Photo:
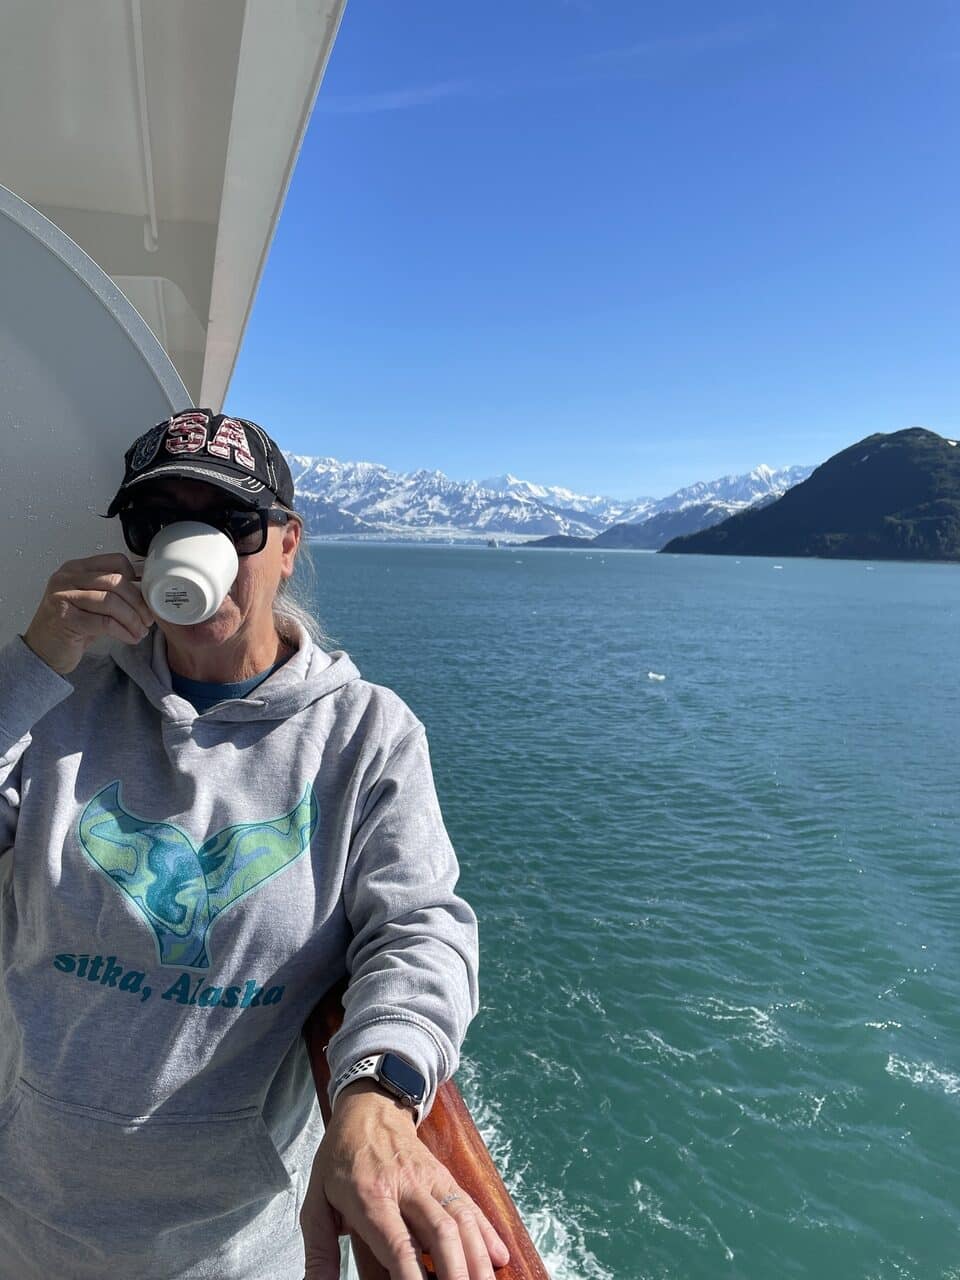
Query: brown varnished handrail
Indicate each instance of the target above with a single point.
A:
(450, 1134)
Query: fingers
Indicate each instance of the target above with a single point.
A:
(398, 1198)
(457, 1241)
(107, 562)
(493, 1242)
(84, 599)
(116, 584)
(452, 1235)
(95, 612)
(108, 573)
(389, 1239)
(321, 1243)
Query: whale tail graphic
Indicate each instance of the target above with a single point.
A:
(180, 890)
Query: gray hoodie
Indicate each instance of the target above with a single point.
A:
(177, 891)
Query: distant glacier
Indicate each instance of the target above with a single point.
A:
(368, 500)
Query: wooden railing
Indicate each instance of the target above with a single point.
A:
(450, 1134)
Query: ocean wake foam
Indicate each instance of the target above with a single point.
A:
(650, 1205)
(553, 1223)
(923, 1073)
(749, 1022)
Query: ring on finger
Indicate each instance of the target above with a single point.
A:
(449, 1199)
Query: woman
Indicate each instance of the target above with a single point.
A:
(203, 830)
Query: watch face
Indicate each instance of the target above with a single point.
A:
(403, 1077)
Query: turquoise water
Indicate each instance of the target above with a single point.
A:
(720, 1025)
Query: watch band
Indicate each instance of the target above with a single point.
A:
(370, 1068)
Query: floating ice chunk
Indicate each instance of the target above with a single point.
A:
(654, 675)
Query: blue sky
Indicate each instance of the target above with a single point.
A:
(615, 244)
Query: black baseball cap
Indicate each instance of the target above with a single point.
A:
(196, 444)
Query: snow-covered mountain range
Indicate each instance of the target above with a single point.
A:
(366, 499)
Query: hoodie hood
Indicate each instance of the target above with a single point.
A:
(311, 674)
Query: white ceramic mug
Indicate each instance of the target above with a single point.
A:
(188, 571)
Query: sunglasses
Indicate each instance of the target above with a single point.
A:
(245, 527)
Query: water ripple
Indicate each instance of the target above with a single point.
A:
(720, 1028)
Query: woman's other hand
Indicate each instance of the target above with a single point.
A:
(372, 1175)
(85, 599)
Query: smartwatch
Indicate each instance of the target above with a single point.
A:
(392, 1073)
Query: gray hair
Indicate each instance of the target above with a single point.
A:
(290, 604)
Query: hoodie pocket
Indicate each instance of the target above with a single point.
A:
(126, 1184)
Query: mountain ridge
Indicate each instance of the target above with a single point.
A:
(368, 500)
(892, 496)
